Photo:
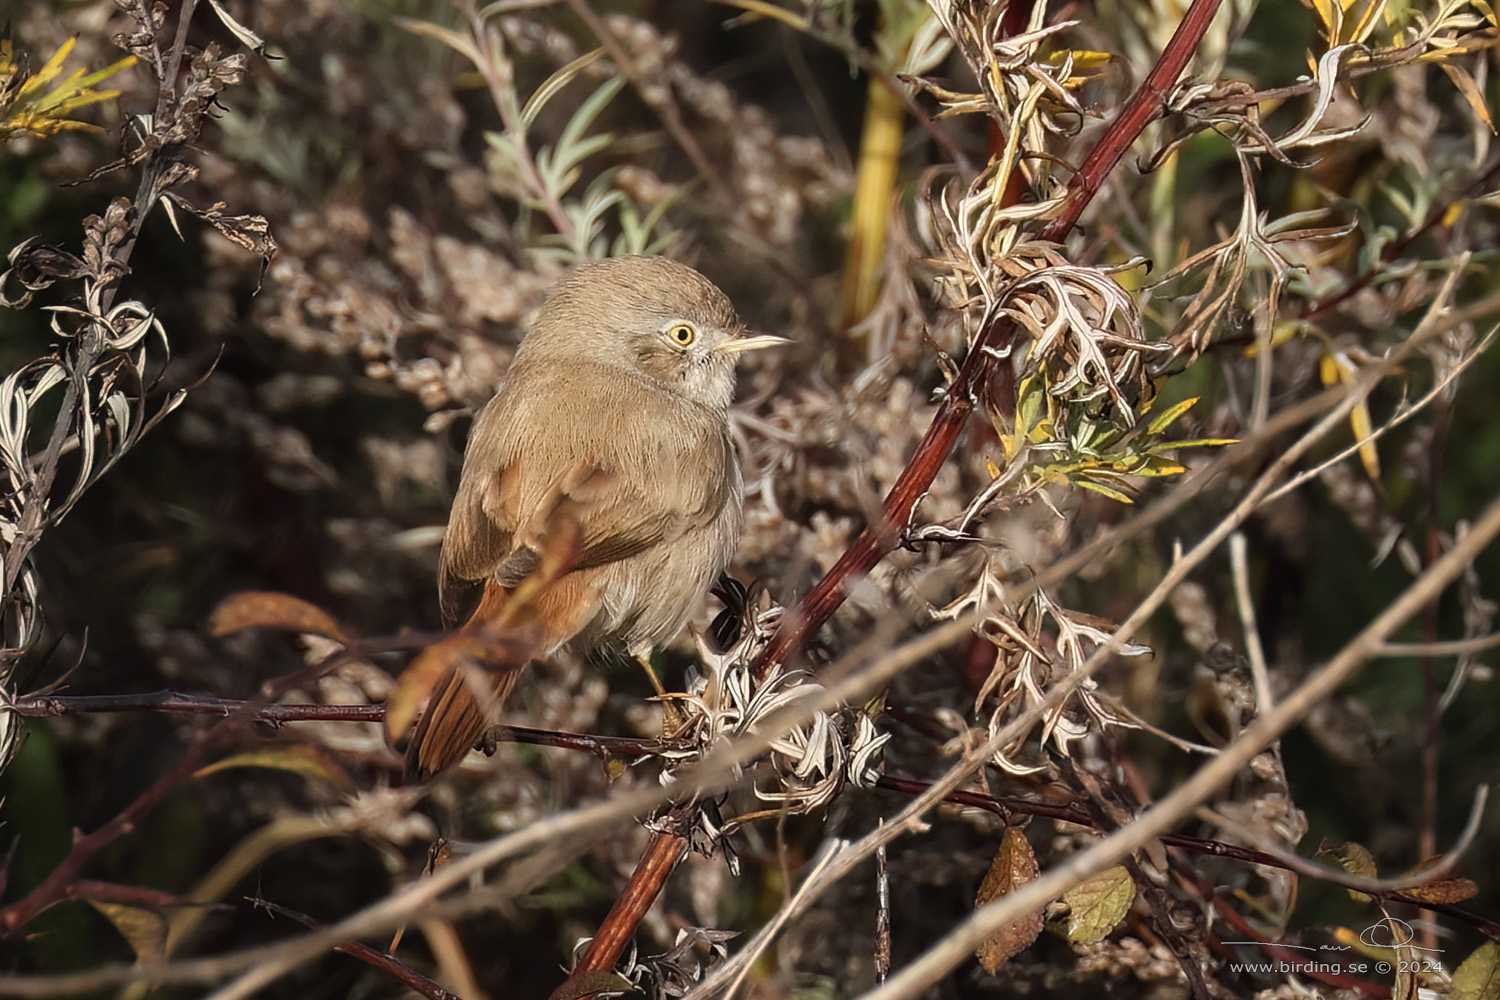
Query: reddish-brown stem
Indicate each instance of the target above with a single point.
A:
(56, 885)
(646, 883)
(384, 961)
(1144, 107)
(880, 537)
(52, 706)
(49, 706)
(1004, 807)
(135, 895)
(937, 444)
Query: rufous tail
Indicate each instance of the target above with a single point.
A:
(456, 717)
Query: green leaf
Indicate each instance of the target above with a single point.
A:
(1478, 978)
(305, 760)
(1167, 417)
(1194, 443)
(1102, 490)
(1097, 906)
(145, 930)
(583, 119)
(555, 83)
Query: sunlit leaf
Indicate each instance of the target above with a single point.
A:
(1103, 490)
(1014, 866)
(1096, 906)
(144, 930)
(1166, 418)
(1464, 81)
(268, 609)
(480, 649)
(42, 101)
(1478, 977)
(305, 760)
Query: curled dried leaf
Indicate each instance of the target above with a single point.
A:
(303, 759)
(268, 609)
(480, 648)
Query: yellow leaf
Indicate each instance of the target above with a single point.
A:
(1366, 23)
(1369, 456)
(1331, 17)
(1355, 859)
(1198, 443)
(1280, 334)
(1328, 369)
(1108, 491)
(145, 930)
(1097, 906)
(1157, 467)
(1478, 978)
(1014, 866)
(307, 761)
(1165, 419)
(875, 180)
(1470, 89)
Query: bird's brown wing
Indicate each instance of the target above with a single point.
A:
(626, 496)
(628, 480)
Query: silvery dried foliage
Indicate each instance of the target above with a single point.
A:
(68, 417)
(424, 296)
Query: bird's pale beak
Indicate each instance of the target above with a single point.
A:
(753, 342)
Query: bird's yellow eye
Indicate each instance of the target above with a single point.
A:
(682, 334)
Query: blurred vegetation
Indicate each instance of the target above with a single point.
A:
(427, 170)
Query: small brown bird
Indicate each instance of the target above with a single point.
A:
(613, 419)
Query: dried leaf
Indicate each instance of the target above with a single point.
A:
(481, 649)
(1014, 866)
(145, 930)
(1478, 978)
(1442, 889)
(268, 609)
(1097, 906)
(592, 984)
(1464, 81)
(306, 760)
(244, 34)
(252, 232)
